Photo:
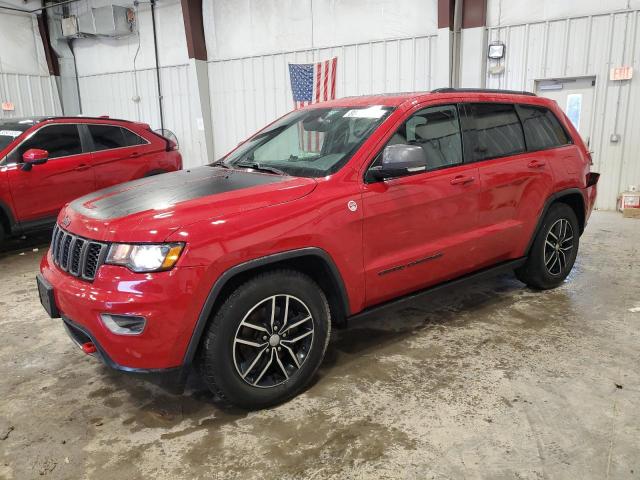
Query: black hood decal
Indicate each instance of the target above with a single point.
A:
(164, 190)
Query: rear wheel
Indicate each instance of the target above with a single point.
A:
(554, 249)
(267, 340)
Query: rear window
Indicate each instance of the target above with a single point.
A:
(542, 129)
(106, 137)
(491, 130)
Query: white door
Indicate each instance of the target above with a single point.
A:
(575, 96)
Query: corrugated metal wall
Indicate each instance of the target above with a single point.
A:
(247, 93)
(113, 93)
(30, 94)
(585, 46)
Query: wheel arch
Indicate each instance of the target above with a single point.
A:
(313, 261)
(6, 219)
(576, 201)
(572, 197)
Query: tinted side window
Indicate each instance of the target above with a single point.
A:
(437, 131)
(491, 130)
(541, 128)
(131, 138)
(106, 137)
(58, 140)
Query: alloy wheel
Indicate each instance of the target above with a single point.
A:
(273, 341)
(558, 246)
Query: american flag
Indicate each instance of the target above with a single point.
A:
(312, 83)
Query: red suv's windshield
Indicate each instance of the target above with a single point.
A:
(309, 143)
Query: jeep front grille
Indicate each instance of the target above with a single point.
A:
(75, 255)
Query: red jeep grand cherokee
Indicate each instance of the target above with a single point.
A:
(241, 266)
(47, 162)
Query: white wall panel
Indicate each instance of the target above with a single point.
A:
(24, 76)
(585, 46)
(239, 28)
(512, 12)
(247, 93)
(96, 55)
(112, 94)
(32, 95)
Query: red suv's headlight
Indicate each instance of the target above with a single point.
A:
(145, 257)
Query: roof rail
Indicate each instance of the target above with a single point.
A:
(481, 90)
(82, 117)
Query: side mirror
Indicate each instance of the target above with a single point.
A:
(398, 160)
(34, 156)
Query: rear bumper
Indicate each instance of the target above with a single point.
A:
(169, 301)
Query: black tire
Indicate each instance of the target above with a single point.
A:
(153, 173)
(2, 233)
(554, 249)
(224, 357)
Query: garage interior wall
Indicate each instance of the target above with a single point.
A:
(24, 75)
(381, 45)
(117, 76)
(555, 40)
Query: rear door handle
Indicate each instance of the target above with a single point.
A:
(82, 167)
(462, 180)
(536, 164)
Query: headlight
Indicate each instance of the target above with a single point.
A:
(145, 257)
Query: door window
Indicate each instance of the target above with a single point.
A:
(106, 137)
(491, 130)
(58, 140)
(437, 131)
(541, 128)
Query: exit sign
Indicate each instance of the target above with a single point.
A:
(621, 73)
(8, 107)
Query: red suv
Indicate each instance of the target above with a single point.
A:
(47, 162)
(241, 267)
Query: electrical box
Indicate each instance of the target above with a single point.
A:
(109, 21)
(70, 26)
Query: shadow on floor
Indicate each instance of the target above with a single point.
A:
(18, 244)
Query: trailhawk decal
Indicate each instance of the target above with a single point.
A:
(163, 191)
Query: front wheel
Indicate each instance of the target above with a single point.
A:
(554, 249)
(267, 340)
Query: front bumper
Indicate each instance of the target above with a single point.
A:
(170, 301)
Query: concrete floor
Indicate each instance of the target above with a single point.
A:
(492, 381)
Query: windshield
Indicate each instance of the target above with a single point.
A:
(9, 131)
(309, 143)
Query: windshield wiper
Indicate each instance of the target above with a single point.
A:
(263, 168)
(220, 164)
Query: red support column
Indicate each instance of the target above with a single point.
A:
(50, 55)
(474, 13)
(194, 29)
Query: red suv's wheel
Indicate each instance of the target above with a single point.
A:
(554, 249)
(267, 340)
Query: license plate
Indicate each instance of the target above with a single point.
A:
(46, 297)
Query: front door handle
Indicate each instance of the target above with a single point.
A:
(462, 180)
(536, 164)
(82, 167)
(135, 155)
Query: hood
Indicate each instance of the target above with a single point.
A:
(150, 209)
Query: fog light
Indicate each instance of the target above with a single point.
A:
(123, 324)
